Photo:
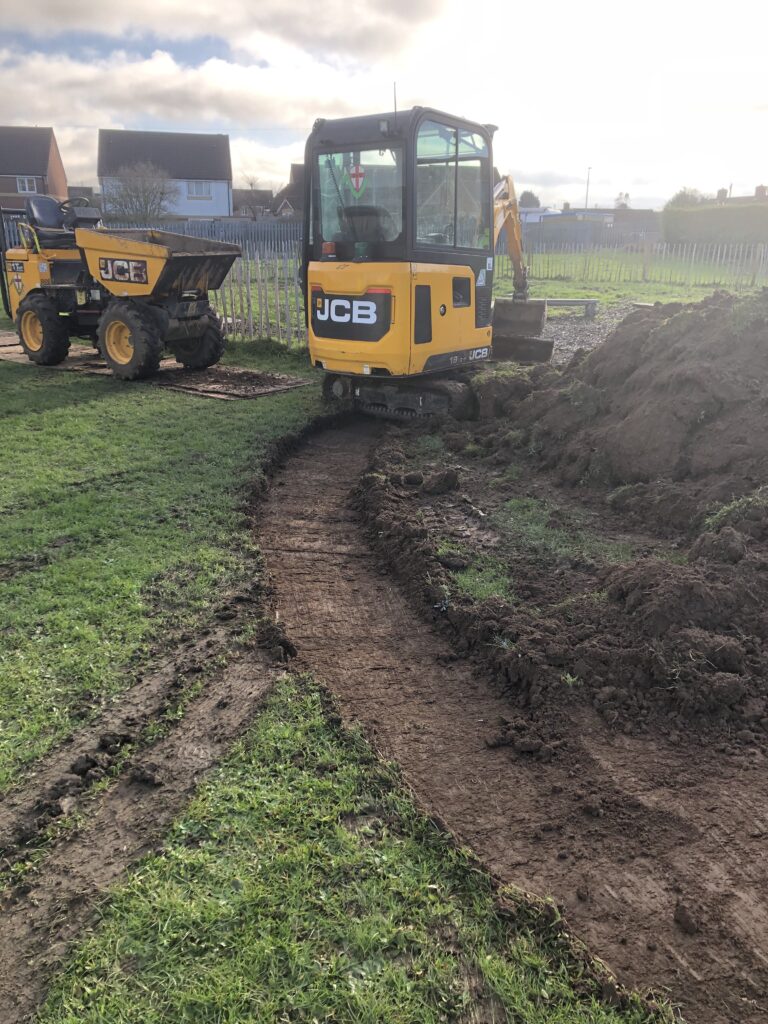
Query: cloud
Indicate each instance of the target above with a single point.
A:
(337, 27)
(124, 90)
(127, 89)
(548, 179)
(269, 164)
(576, 101)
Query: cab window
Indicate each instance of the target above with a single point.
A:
(453, 202)
(360, 200)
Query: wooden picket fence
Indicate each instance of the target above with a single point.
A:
(735, 267)
(261, 296)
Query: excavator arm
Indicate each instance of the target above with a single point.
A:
(517, 321)
(506, 215)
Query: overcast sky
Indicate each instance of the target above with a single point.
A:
(652, 96)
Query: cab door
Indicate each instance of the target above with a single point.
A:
(452, 258)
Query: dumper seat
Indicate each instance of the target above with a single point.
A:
(45, 216)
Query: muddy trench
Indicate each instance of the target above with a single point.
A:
(653, 850)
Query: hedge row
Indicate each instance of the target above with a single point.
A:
(727, 224)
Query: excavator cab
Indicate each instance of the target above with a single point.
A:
(398, 250)
(399, 235)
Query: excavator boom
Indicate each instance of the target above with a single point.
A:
(517, 321)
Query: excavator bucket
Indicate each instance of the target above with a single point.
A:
(517, 324)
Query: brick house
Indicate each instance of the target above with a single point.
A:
(30, 164)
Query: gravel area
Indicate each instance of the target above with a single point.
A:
(572, 331)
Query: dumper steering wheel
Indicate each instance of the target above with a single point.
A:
(72, 204)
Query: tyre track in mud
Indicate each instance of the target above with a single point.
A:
(666, 883)
(27, 810)
(39, 922)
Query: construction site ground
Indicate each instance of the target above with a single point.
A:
(561, 669)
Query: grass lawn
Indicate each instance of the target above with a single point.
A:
(119, 520)
(302, 885)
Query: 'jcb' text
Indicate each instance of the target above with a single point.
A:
(134, 271)
(345, 311)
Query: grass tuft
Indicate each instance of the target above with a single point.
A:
(554, 533)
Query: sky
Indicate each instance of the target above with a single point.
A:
(651, 97)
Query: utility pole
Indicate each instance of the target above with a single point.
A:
(586, 197)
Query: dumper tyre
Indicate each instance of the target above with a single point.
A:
(130, 341)
(42, 332)
(204, 349)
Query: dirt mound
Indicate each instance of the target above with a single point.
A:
(672, 404)
(651, 644)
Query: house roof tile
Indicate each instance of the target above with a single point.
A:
(24, 150)
(191, 155)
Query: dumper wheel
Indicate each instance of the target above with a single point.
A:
(203, 349)
(42, 332)
(129, 340)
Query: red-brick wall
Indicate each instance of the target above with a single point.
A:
(10, 198)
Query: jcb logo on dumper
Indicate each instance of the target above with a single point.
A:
(345, 311)
(132, 271)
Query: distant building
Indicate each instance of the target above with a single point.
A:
(251, 202)
(289, 201)
(85, 192)
(535, 214)
(620, 218)
(30, 164)
(198, 164)
(760, 196)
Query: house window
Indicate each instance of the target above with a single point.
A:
(198, 190)
(26, 185)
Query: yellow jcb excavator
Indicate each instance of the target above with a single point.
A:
(400, 232)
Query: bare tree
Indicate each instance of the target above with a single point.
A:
(687, 197)
(140, 192)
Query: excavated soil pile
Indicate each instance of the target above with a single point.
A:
(650, 644)
(660, 435)
(671, 407)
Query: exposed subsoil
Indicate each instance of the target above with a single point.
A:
(222, 382)
(654, 844)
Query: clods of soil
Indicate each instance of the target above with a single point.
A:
(643, 835)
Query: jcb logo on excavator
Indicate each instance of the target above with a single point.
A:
(364, 317)
(344, 311)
